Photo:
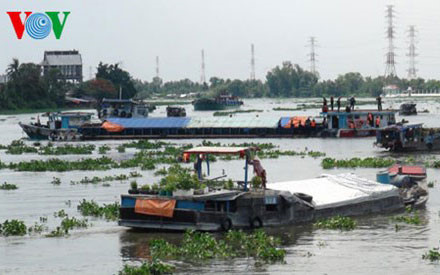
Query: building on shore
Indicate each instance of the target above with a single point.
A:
(69, 64)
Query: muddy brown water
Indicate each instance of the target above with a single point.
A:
(374, 247)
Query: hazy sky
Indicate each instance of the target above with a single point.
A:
(350, 34)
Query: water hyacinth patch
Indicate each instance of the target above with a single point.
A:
(203, 246)
(8, 186)
(369, 162)
(153, 267)
(91, 208)
(13, 228)
(338, 222)
(432, 255)
(104, 149)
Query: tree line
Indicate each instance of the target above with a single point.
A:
(28, 88)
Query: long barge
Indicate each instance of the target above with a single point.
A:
(332, 124)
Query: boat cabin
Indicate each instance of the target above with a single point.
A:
(123, 108)
(68, 120)
(359, 119)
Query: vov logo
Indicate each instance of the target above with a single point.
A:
(38, 25)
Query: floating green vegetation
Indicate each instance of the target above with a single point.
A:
(13, 228)
(37, 228)
(121, 149)
(67, 150)
(96, 180)
(145, 144)
(18, 147)
(430, 184)
(60, 214)
(56, 181)
(71, 223)
(153, 267)
(58, 165)
(286, 109)
(369, 162)
(338, 222)
(8, 186)
(104, 149)
(91, 208)
(179, 178)
(432, 255)
(236, 112)
(203, 246)
(412, 219)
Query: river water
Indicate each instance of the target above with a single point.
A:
(374, 247)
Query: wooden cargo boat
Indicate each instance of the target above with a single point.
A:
(408, 137)
(60, 126)
(276, 204)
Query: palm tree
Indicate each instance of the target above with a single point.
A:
(12, 70)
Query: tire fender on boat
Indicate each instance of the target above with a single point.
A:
(304, 197)
(256, 222)
(226, 224)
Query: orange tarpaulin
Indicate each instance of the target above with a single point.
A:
(296, 121)
(112, 127)
(163, 208)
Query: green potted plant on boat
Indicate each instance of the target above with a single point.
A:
(145, 189)
(133, 188)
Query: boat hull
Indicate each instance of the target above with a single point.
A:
(352, 133)
(214, 106)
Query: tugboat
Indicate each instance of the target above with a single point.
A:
(60, 126)
(408, 137)
(258, 205)
(220, 102)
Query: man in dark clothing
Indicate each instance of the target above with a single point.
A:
(324, 101)
(331, 102)
(352, 102)
(338, 103)
(347, 109)
(379, 103)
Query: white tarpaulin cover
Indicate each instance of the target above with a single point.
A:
(338, 190)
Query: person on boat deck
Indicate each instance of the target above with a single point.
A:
(370, 120)
(379, 103)
(332, 102)
(307, 122)
(347, 109)
(351, 124)
(377, 121)
(325, 109)
(352, 102)
(338, 103)
(324, 101)
(313, 123)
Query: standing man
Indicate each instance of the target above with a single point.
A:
(352, 102)
(338, 103)
(379, 103)
(331, 102)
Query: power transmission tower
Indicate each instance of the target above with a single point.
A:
(90, 72)
(390, 69)
(252, 62)
(312, 55)
(412, 71)
(157, 66)
(202, 75)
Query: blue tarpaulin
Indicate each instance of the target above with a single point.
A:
(284, 121)
(151, 122)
